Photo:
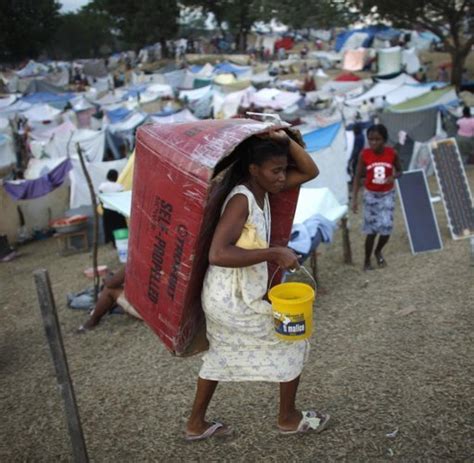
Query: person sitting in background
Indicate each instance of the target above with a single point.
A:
(111, 220)
(110, 296)
(309, 84)
(465, 135)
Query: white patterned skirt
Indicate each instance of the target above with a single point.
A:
(378, 212)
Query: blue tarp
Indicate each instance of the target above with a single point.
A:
(133, 91)
(371, 30)
(195, 68)
(47, 97)
(119, 114)
(321, 138)
(388, 34)
(229, 68)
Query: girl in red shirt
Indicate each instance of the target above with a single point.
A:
(381, 166)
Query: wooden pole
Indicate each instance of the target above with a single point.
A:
(95, 239)
(55, 341)
(346, 242)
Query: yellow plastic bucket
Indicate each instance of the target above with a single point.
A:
(292, 305)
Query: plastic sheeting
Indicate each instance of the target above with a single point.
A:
(64, 143)
(80, 195)
(410, 61)
(274, 99)
(354, 60)
(41, 113)
(196, 94)
(389, 60)
(321, 138)
(181, 116)
(7, 151)
(226, 106)
(128, 124)
(7, 101)
(322, 201)
(119, 202)
(433, 99)
(332, 163)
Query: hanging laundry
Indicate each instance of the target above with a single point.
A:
(31, 189)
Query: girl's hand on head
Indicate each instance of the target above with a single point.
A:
(285, 258)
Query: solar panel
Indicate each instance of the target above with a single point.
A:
(454, 187)
(420, 219)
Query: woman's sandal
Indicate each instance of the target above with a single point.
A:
(216, 429)
(380, 260)
(312, 421)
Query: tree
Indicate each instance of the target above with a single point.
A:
(444, 18)
(141, 22)
(82, 35)
(26, 27)
(237, 15)
(299, 14)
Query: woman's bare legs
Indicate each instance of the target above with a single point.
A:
(197, 423)
(289, 418)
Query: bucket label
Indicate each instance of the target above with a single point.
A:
(290, 325)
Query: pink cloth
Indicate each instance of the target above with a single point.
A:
(466, 127)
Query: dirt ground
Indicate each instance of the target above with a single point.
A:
(393, 350)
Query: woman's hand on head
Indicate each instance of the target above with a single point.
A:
(285, 258)
(278, 135)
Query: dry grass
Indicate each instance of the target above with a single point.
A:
(393, 349)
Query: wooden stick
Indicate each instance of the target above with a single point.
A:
(346, 242)
(55, 341)
(95, 239)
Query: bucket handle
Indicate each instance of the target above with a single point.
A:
(293, 270)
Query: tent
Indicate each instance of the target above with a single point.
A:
(433, 99)
(274, 98)
(327, 147)
(354, 60)
(389, 60)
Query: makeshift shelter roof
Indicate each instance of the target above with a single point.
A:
(321, 138)
(433, 99)
(95, 68)
(42, 112)
(181, 116)
(130, 123)
(81, 103)
(274, 98)
(53, 99)
(389, 60)
(318, 201)
(32, 69)
(7, 101)
(41, 85)
(117, 115)
(196, 94)
(226, 67)
(370, 32)
(409, 91)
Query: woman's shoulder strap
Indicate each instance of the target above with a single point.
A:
(240, 189)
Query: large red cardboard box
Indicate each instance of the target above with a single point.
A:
(173, 169)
